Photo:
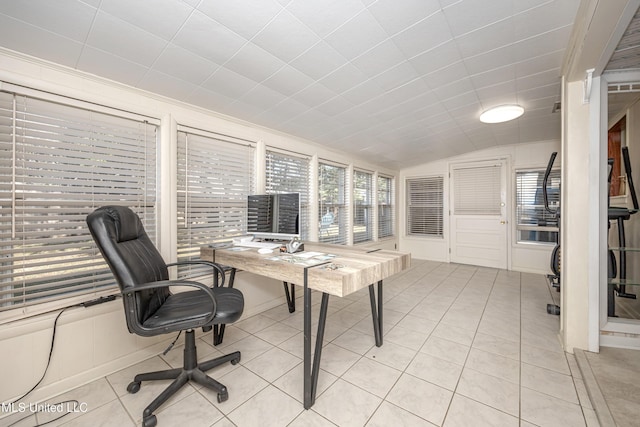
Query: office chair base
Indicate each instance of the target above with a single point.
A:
(191, 371)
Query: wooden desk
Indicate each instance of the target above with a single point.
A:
(357, 268)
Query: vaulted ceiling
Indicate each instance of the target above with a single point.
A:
(395, 82)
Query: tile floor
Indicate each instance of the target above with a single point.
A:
(464, 346)
(616, 376)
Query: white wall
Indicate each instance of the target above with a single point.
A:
(522, 257)
(93, 342)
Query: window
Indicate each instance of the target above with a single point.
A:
(425, 206)
(215, 176)
(386, 216)
(534, 224)
(363, 206)
(477, 190)
(333, 201)
(57, 164)
(287, 173)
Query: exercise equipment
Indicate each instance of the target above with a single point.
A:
(620, 214)
(554, 278)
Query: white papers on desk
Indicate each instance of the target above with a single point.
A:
(308, 254)
(307, 261)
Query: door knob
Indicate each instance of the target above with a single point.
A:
(503, 222)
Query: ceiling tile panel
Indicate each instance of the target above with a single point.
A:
(470, 15)
(288, 81)
(334, 106)
(285, 37)
(319, 61)
(26, 38)
(68, 18)
(397, 76)
(494, 77)
(382, 57)
(263, 97)
(284, 111)
(544, 78)
(485, 39)
(542, 44)
(343, 78)
(538, 64)
(208, 99)
(254, 62)
(110, 66)
(314, 95)
(363, 92)
(325, 16)
(229, 83)
(446, 75)
(185, 65)
(545, 17)
(162, 18)
(394, 16)
(357, 36)
(436, 58)
(491, 60)
(208, 38)
(424, 36)
(245, 17)
(115, 36)
(166, 85)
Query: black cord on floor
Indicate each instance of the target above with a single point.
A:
(53, 340)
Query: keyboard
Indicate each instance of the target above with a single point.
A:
(259, 245)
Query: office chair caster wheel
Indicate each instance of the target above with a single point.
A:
(149, 421)
(223, 397)
(133, 387)
(235, 361)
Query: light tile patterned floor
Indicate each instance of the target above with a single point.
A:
(464, 346)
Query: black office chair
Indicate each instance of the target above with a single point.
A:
(151, 309)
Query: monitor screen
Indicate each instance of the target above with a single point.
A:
(274, 215)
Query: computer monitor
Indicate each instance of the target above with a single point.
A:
(274, 216)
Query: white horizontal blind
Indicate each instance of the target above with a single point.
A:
(477, 190)
(333, 204)
(425, 206)
(287, 173)
(534, 222)
(386, 204)
(215, 176)
(363, 206)
(57, 164)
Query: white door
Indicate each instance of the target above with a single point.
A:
(478, 213)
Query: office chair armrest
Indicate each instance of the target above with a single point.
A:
(178, 325)
(215, 266)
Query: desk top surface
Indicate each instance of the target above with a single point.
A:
(337, 270)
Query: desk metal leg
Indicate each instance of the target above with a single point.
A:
(218, 330)
(376, 312)
(291, 296)
(311, 372)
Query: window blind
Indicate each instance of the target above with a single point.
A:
(477, 190)
(333, 203)
(386, 203)
(533, 222)
(214, 178)
(425, 206)
(57, 164)
(287, 173)
(363, 206)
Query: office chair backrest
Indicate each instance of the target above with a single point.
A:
(131, 256)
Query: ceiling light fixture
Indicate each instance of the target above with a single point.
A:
(500, 114)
